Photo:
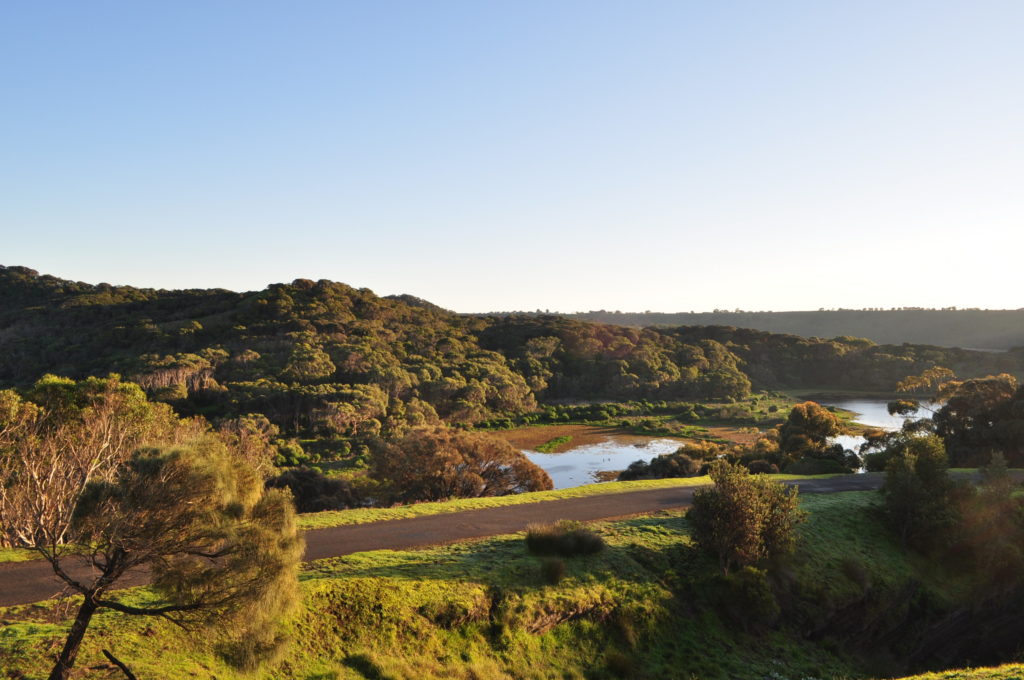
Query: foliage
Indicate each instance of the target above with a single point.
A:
(321, 359)
(744, 520)
(918, 494)
(564, 538)
(436, 464)
(677, 464)
(314, 492)
(64, 435)
(981, 417)
(221, 551)
(807, 430)
(74, 468)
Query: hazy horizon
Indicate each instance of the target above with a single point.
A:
(534, 310)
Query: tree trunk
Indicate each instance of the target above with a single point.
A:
(66, 660)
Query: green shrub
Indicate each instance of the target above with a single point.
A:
(816, 466)
(744, 519)
(919, 498)
(564, 538)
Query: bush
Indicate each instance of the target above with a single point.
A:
(919, 498)
(313, 492)
(552, 570)
(762, 467)
(816, 466)
(744, 519)
(564, 538)
(638, 469)
(676, 464)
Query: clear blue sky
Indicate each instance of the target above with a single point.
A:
(551, 154)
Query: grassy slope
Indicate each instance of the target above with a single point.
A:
(480, 610)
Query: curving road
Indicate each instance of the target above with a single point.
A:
(26, 582)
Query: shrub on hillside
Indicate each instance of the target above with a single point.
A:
(313, 491)
(919, 498)
(744, 519)
(564, 538)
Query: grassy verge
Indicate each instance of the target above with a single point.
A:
(335, 518)
(17, 555)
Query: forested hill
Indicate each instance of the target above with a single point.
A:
(324, 358)
(971, 328)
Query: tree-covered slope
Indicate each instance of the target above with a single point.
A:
(326, 359)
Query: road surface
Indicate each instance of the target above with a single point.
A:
(26, 582)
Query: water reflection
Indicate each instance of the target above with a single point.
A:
(579, 466)
(870, 412)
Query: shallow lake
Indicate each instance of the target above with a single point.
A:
(580, 465)
(871, 412)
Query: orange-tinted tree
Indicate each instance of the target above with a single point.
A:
(435, 464)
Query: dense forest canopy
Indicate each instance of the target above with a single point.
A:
(994, 329)
(328, 360)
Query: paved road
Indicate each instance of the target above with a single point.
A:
(25, 582)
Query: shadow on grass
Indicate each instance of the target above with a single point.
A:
(366, 667)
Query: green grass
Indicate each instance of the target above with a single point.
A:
(550, 446)
(477, 609)
(335, 518)
(645, 607)
(17, 555)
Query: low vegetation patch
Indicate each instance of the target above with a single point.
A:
(564, 538)
(550, 445)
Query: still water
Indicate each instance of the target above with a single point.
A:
(580, 465)
(871, 412)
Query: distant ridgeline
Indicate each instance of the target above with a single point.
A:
(326, 359)
(970, 328)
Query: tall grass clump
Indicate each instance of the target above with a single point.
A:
(564, 538)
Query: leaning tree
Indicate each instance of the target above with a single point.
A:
(81, 487)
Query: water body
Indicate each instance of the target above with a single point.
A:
(580, 465)
(871, 412)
